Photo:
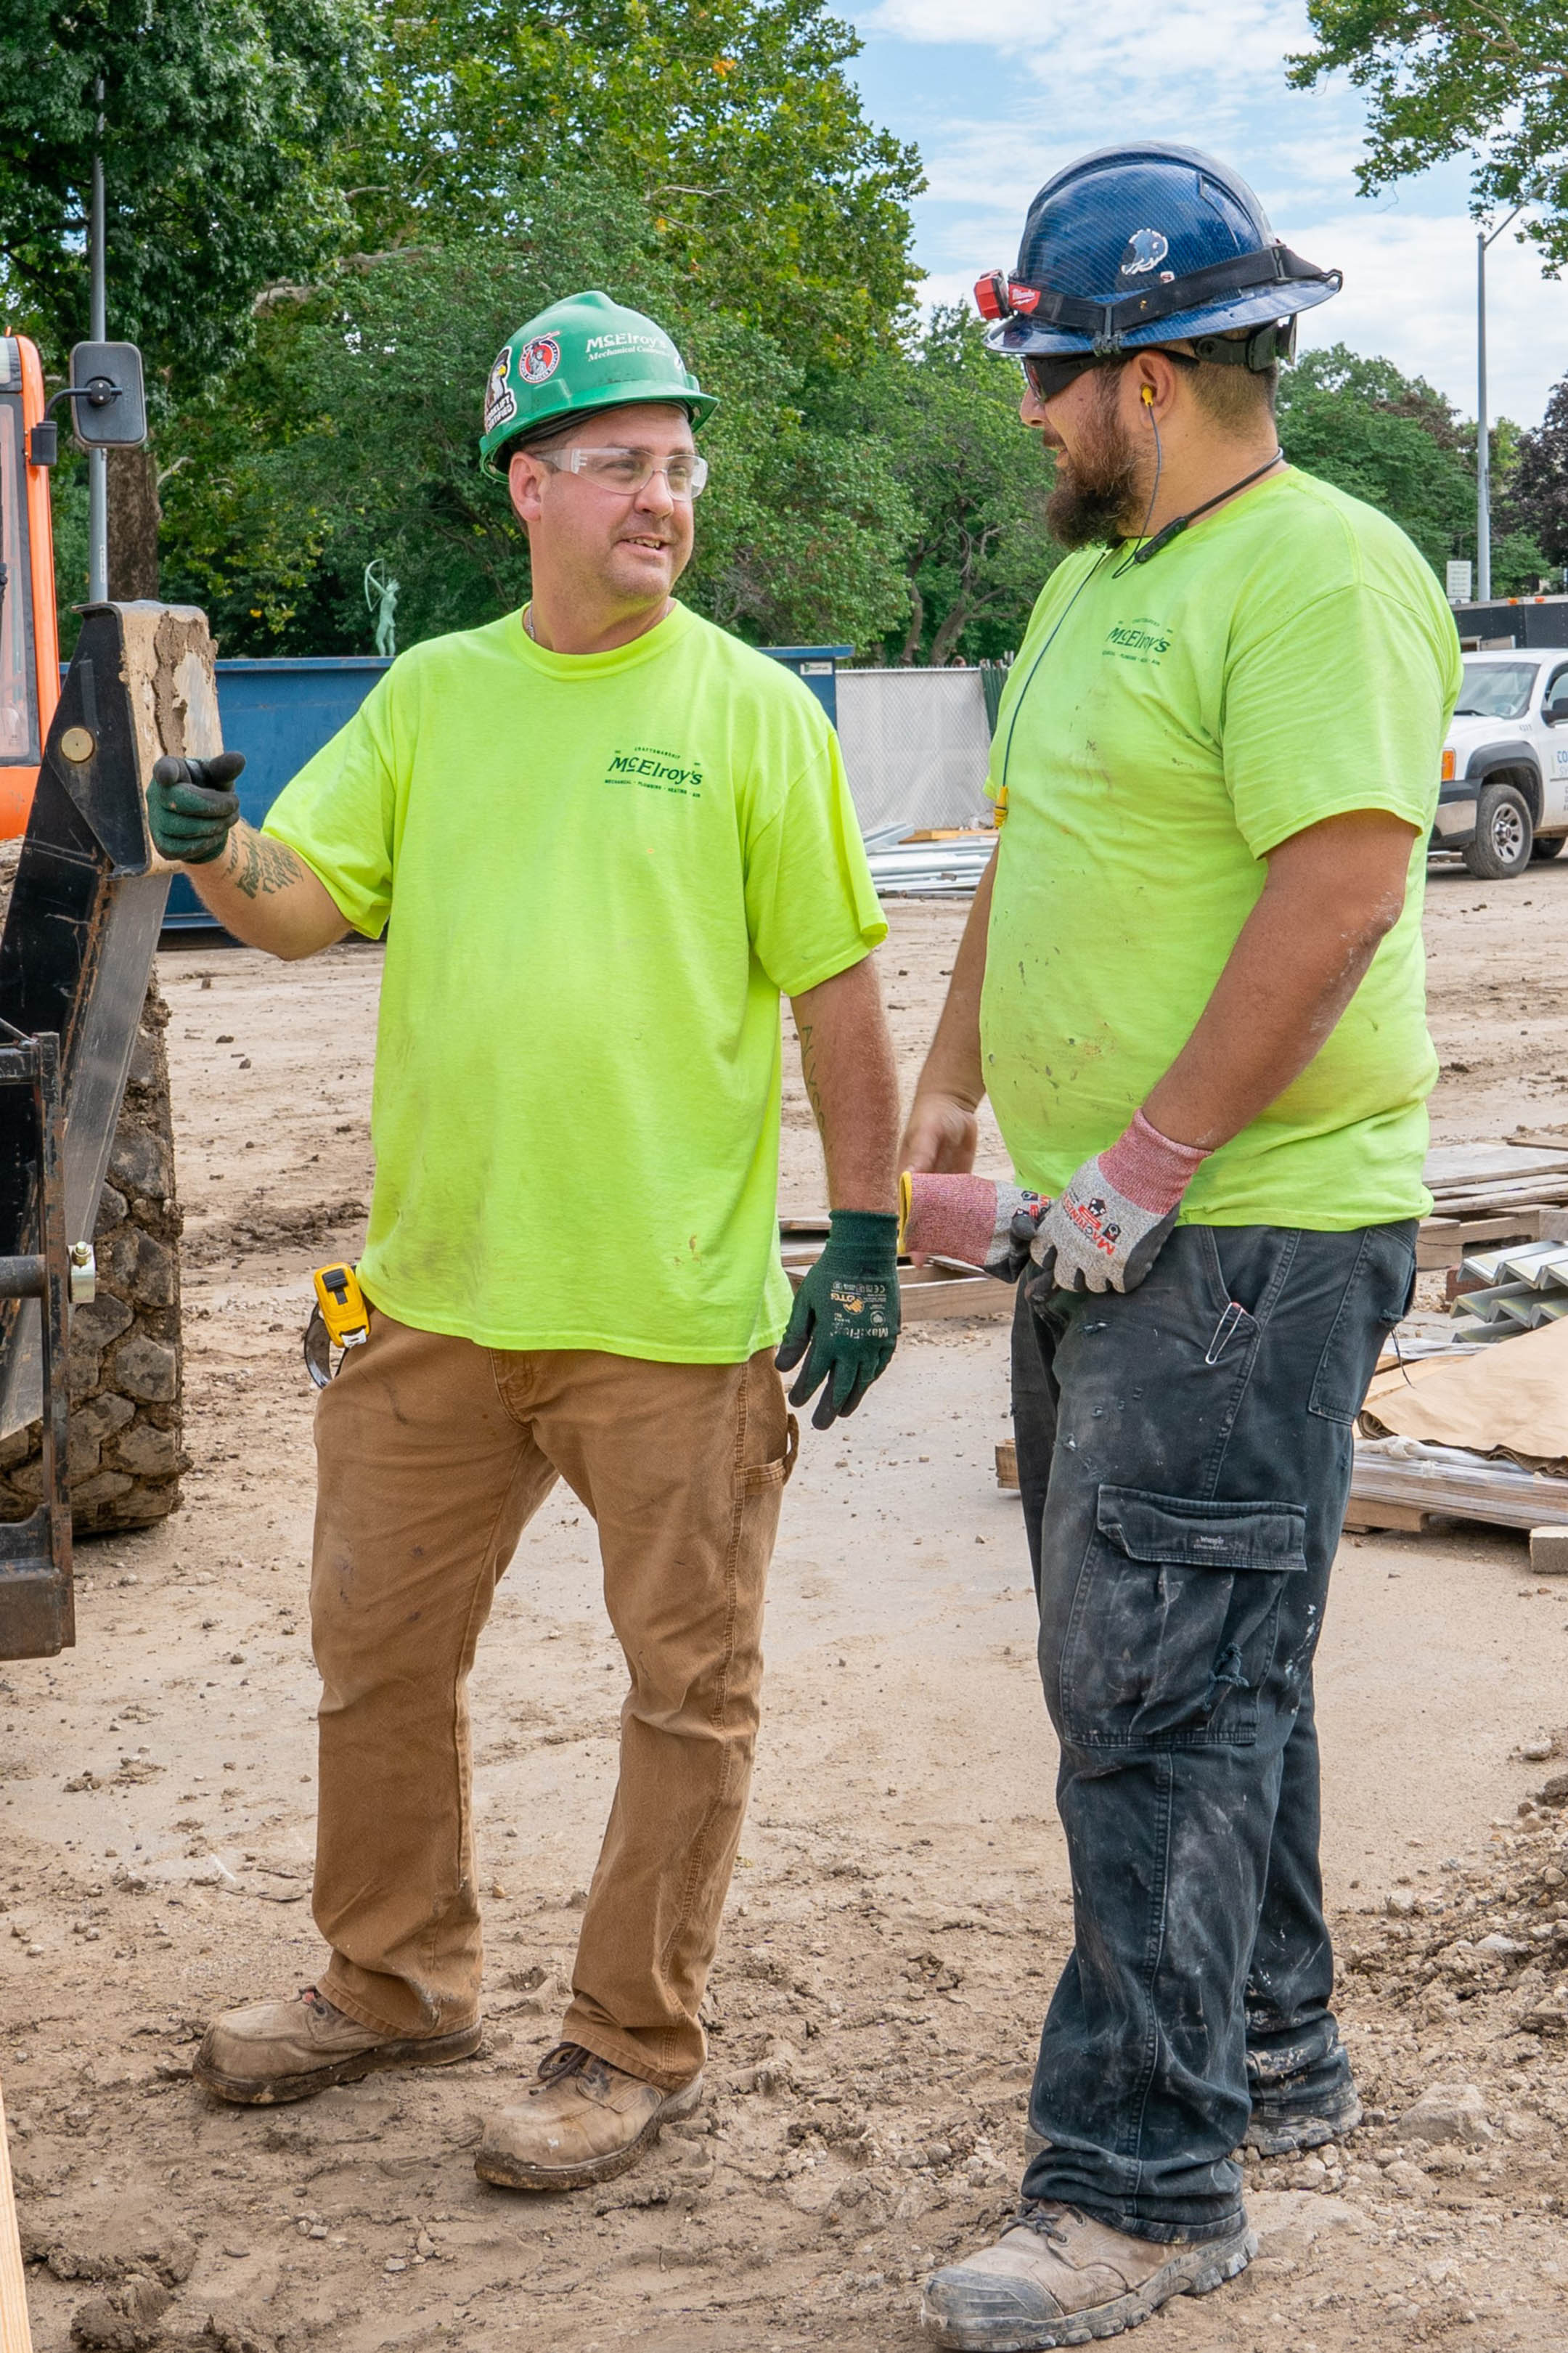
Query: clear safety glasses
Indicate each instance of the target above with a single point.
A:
(626, 471)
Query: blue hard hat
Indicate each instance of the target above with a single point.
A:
(1151, 244)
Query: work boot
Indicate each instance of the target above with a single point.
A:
(275, 2051)
(1282, 2126)
(1057, 2277)
(583, 2121)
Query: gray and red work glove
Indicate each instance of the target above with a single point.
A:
(1108, 1224)
(970, 1218)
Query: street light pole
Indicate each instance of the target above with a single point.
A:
(97, 459)
(1483, 441)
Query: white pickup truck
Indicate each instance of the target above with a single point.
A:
(1504, 793)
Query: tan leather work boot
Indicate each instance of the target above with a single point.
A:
(1057, 2277)
(583, 2121)
(275, 2051)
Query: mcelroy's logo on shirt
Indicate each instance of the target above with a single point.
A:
(1138, 641)
(656, 771)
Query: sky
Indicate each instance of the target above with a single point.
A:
(997, 94)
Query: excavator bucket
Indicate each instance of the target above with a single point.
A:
(75, 959)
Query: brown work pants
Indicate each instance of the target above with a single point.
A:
(433, 1453)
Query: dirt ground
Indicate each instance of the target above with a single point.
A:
(902, 1907)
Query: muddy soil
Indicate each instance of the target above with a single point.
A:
(902, 1907)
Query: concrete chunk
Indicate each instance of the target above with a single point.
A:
(1549, 1551)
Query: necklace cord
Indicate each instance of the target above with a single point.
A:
(1173, 530)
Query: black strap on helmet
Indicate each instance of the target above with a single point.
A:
(1107, 324)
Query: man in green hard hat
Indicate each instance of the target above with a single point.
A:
(611, 836)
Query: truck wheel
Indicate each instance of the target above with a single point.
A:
(1553, 847)
(1504, 833)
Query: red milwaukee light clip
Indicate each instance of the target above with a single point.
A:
(1022, 297)
(991, 295)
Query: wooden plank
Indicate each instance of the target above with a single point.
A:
(1007, 1463)
(1367, 1519)
(1446, 1242)
(1453, 1164)
(16, 2336)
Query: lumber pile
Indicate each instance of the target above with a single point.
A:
(939, 1287)
(1515, 1191)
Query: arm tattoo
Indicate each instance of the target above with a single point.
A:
(260, 866)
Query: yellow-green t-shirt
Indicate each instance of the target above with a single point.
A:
(600, 871)
(1288, 659)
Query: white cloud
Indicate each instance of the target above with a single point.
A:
(1409, 296)
(1233, 39)
(1410, 293)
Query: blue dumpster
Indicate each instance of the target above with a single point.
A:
(818, 666)
(278, 713)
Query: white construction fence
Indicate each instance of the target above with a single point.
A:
(916, 746)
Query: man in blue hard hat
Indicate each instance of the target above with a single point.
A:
(1193, 987)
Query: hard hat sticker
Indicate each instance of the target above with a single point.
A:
(1146, 249)
(500, 401)
(538, 361)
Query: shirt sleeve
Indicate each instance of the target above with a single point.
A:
(340, 813)
(811, 908)
(1344, 707)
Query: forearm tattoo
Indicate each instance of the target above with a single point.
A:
(259, 866)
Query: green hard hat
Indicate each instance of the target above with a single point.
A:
(584, 353)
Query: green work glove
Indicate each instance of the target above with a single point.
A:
(190, 807)
(845, 1318)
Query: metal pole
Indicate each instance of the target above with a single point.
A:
(97, 459)
(1483, 446)
(1483, 437)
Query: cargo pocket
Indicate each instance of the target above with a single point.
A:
(1175, 1619)
(1376, 1297)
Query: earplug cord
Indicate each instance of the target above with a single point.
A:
(1147, 396)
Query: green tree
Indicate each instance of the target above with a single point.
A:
(374, 391)
(1447, 77)
(732, 123)
(1536, 495)
(945, 410)
(1395, 442)
(215, 120)
(220, 119)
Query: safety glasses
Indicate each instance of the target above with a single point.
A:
(1049, 375)
(626, 471)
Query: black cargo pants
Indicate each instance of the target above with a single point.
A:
(1184, 1456)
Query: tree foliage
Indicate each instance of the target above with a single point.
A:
(1395, 442)
(732, 123)
(219, 120)
(1537, 489)
(945, 411)
(375, 453)
(1445, 77)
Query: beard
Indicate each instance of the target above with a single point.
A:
(1100, 493)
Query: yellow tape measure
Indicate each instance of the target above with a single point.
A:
(340, 1319)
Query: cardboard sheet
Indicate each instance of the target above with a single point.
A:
(1510, 1399)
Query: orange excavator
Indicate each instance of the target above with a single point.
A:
(30, 632)
(82, 923)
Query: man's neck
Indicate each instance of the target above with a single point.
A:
(1207, 470)
(560, 628)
